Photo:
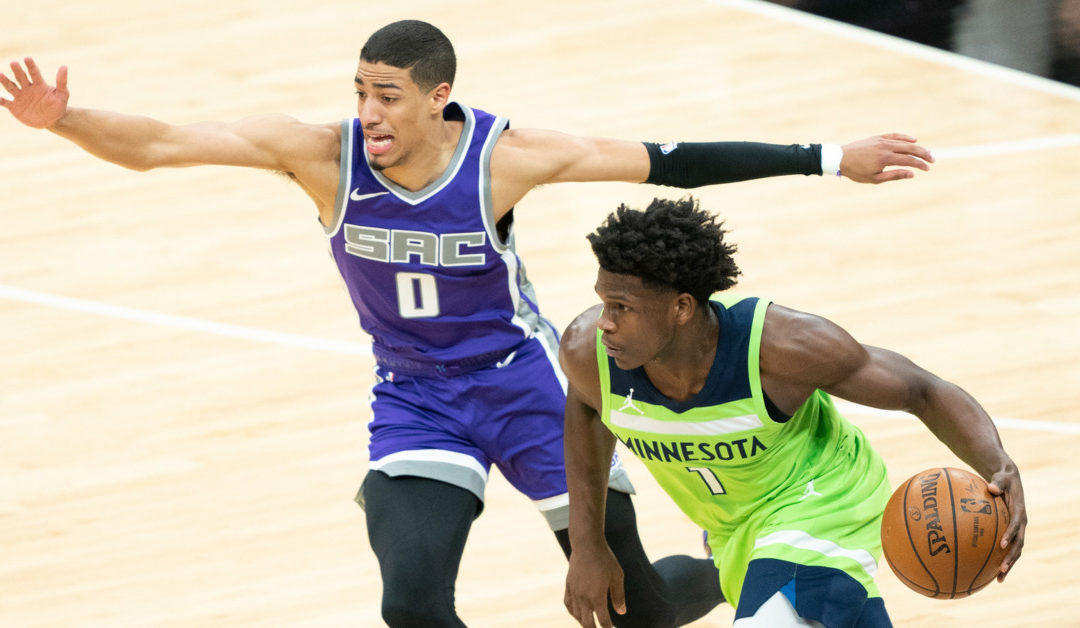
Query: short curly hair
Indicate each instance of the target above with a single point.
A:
(672, 244)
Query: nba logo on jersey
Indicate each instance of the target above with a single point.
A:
(667, 148)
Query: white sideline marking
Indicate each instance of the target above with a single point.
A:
(183, 322)
(352, 348)
(1006, 148)
(1028, 425)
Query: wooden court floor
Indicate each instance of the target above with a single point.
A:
(183, 385)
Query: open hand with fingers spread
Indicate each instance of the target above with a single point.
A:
(34, 102)
(865, 161)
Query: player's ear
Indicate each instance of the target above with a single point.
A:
(684, 307)
(439, 97)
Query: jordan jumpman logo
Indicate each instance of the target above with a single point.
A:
(629, 403)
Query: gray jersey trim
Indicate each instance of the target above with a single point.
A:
(530, 320)
(486, 207)
(344, 178)
(415, 198)
(454, 474)
(559, 518)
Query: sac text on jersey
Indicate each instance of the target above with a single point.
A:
(403, 246)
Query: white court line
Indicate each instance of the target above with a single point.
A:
(183, 322)
(759, 7)
(1054, 427)
(1008, 148)
(903, 46)
(351, 348)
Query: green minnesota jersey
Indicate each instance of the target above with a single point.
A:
(807, 489)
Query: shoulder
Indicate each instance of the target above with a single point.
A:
(327, 135)
(807, 347)
(525, 138)
(579, 339)
(577, 350)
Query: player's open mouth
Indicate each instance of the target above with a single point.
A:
(378, 144)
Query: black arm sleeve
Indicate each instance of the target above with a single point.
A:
(693, 164)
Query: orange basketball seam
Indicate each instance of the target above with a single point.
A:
(955, 534)
(990, 554)
(911, 541)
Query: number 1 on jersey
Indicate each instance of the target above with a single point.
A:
(417, 295)
(710, 479)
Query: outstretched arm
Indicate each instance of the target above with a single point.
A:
(801, 352)
(141, 143)
(594, 572)
(526, 158)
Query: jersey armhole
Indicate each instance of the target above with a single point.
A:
(605, 377)
(753, 360)
(344, 177)
(498, 242)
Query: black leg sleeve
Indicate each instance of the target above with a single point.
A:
(417, 528)
(674, 591)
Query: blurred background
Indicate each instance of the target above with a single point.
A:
(1041, 37)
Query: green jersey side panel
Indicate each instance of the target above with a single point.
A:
(809, 490)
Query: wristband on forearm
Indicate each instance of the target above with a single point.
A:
(693, 164)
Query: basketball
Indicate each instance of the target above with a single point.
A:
(941, 533)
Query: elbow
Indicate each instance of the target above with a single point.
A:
(928, 393)
(140, 162)
(131, 160)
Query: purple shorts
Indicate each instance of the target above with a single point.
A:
(453, 428)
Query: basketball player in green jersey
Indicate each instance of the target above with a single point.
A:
(727, 403)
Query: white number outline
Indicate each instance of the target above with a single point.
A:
(708, 476)
(407, 284)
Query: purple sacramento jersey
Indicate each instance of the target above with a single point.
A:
(431, 277)
(468, 373)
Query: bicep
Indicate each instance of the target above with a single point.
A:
(803, 352)
(538, 157)
(882, 379)
(268, 142)
(585, 437)
(597, 159)
(579, 409)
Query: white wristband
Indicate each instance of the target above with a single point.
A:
(831, 154)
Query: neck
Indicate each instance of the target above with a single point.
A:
(430, 159)
(681, 370)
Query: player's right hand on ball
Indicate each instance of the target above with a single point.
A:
(33, 101)
(1007, 483)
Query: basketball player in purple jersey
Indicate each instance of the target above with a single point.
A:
(417, 196)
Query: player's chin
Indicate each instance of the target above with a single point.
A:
(623, 361)
(379, 162)
(382, 159)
